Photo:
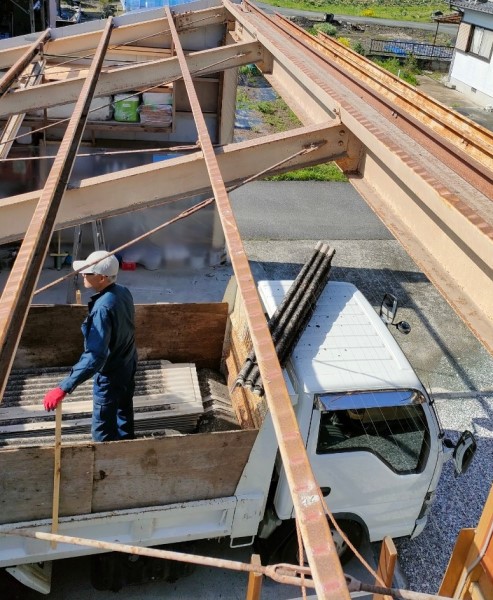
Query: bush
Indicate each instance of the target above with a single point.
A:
(327, 28)
(368, 12)
(344, 41)
(359, 48)
(404, 71)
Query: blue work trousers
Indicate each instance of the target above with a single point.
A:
(113, 412)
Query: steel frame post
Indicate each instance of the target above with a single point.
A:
(22, 62)
(326, 569)
(18, 292)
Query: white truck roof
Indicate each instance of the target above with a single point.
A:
(345, 346)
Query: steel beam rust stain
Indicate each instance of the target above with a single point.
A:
(326, 568)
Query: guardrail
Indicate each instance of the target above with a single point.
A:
(417, 49)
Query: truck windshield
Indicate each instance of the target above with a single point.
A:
(398, 434)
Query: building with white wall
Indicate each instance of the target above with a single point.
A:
(471, 71)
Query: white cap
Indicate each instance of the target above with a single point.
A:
(107, 265)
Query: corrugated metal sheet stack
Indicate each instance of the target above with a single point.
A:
(167, 396)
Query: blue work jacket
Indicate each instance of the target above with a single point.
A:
(109, 337)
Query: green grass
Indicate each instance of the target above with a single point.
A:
(324, 172)
(402, 10)
(406, 70)
(243, 101)
(280, 117)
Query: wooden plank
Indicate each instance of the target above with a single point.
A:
(176, 332)
(249, 408)
(457, 562)
(254, 589)
(488, 559)
(466, 551)
(386, 566)
(57, 472)
(169, 469)
(26, 483)
(182, 332)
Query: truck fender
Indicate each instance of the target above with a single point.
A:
(282, 545)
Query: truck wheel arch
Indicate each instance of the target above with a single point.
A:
(282, 545)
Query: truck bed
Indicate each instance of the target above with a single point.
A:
(154, 471)
(119, 475)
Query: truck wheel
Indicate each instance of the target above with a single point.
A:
(288, 552)
(354, 533)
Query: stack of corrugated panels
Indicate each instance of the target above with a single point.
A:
(167, 396)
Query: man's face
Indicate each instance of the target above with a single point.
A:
(94, 281)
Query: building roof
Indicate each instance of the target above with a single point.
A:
(485, 6)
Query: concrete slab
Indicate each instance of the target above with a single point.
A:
(456, 100)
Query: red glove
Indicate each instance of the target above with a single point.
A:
(53, 398)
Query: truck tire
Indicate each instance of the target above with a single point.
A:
(287, 549)
(113, 570)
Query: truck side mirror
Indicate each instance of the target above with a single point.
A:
(388, 312)
(388, 309)
(463, 452)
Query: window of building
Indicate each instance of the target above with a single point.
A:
(481, 42)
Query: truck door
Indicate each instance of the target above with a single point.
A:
(374, 455)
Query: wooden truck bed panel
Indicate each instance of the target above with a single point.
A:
(167, 470)
(120, 475)
(26, 482)
(175, 332)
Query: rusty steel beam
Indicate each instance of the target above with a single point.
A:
(322, 556)
(146, 32)
(166, 181)
(22, 62)
(435, 202)
(18, 292)
(135, 76)
(14, 123)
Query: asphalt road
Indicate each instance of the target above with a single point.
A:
(266, 211)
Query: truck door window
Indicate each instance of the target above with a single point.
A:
(398, 435)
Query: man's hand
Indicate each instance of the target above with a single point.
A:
(53, 398)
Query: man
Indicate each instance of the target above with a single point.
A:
(109, 351)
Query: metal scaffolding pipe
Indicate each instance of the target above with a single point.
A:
(250, 361)
(295, 314)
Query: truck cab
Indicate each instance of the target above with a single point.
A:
(371, 433)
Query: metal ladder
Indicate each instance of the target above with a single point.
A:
(99, 244)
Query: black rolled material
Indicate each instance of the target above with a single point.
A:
(250, 361)
(292, 315)
(300, 318)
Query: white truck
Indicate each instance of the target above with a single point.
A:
(371, 434)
